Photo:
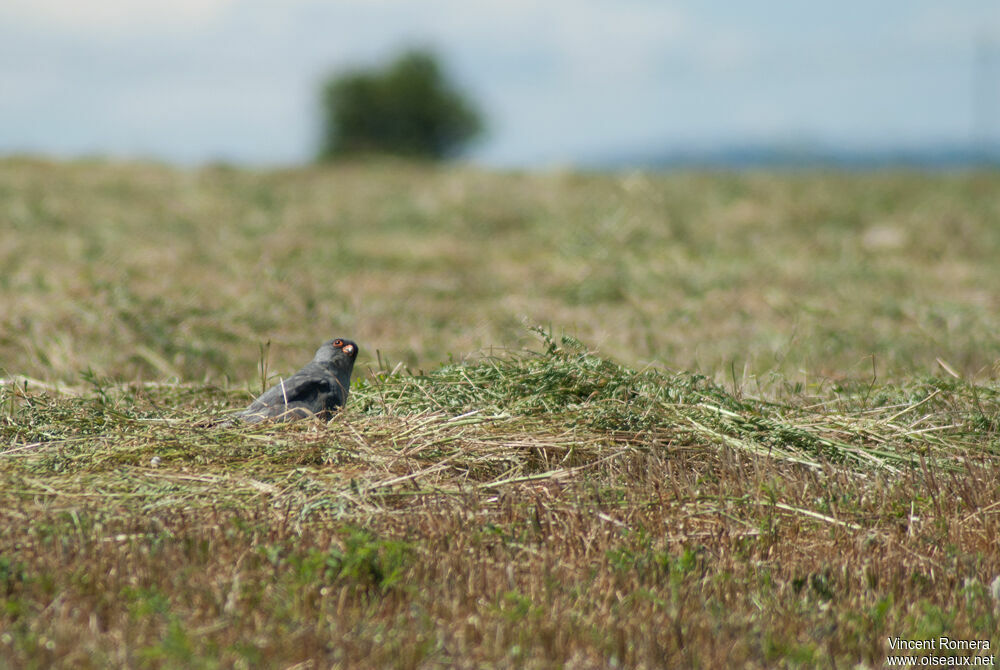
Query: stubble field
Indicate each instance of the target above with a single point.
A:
(640, 420)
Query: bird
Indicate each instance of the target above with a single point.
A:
(318, 389)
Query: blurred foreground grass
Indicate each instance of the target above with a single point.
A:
(142, 271)
(809, 468)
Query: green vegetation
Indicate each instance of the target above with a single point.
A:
(762, 429)
(407, 109)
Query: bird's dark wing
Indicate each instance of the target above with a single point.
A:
(308, 389)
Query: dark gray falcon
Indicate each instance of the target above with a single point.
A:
(317, 389)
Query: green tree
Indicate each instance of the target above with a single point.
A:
(408, 108)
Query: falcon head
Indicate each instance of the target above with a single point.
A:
(337, 350)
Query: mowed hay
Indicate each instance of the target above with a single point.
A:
(535, 509)
(758, 428)
(143, 272)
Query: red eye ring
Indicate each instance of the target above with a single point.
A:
(338, 343)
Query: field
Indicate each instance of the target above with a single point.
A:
(681, 420)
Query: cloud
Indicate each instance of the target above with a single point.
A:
(193, 79)
(110, 17)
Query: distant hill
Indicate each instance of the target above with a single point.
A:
(819, 156)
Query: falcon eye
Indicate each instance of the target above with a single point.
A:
(338, 343)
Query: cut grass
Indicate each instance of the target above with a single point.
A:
(781, 450)
(536, 509)
(145, 272)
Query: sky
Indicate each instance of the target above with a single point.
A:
(560, 82)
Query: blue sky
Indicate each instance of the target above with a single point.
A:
(560, 81)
